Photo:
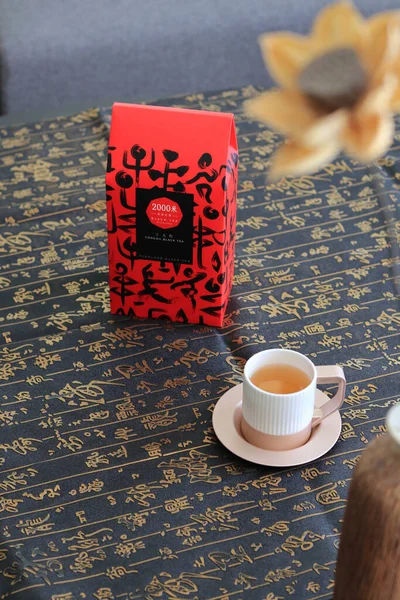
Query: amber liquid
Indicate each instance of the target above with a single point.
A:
(280, 379)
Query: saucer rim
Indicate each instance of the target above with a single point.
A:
(323, 438)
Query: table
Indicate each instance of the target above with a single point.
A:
(113, 484)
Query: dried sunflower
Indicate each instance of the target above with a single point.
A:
(339, 89)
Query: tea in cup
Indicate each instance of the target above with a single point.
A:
(279, 391)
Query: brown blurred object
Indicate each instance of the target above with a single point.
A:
(369, 553)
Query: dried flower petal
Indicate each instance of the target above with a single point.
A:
(339, 25)
(380, 98)
(369, 137)
(294, 159)
(285, 111)
(326, 128)
(395, 104)
(381, 52)
(291, 114)
(285, 54)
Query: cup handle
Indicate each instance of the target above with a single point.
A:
(330, 374)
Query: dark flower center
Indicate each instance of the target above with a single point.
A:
(334, 80)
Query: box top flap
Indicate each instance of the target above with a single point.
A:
(173, 128)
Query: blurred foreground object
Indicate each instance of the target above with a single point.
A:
(339, 89)
(369, 553)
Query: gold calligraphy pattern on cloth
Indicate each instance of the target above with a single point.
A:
(112, 482)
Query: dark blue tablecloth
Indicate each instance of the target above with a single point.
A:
(113, 485)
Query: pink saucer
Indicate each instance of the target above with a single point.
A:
(227, 416)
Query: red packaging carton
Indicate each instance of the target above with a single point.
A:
(171, 188)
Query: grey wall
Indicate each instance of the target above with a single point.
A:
(67, 52)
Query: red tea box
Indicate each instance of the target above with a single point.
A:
(171, 187)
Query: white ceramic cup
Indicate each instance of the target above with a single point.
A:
(284, 421)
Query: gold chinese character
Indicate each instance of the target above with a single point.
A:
(175, 505)
(104, 594)
(153, 449)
